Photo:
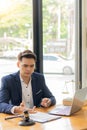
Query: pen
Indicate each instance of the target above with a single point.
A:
(11, 117)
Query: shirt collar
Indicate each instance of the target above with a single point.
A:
(22, 79)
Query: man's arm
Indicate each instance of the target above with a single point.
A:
(48, 99)
(5, 106)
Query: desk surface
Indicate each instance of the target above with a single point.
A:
(78, 121)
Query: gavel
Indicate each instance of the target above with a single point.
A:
(26, 119)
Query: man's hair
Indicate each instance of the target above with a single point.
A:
(26, 54)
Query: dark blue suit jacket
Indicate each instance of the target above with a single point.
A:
(11, 91)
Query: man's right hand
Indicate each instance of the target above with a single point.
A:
(20, 109)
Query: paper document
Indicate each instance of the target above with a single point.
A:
(43, 117)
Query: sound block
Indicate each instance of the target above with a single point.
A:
(26, 123)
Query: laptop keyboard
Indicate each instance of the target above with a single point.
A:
(62, 110)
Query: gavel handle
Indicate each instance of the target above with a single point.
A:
(11, 117)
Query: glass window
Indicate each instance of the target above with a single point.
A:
(15, 32)
(59, 39)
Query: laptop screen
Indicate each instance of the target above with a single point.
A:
(78, 100)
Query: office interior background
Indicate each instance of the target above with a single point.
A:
(56, 31)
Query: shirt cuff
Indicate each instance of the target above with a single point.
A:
(12, 110)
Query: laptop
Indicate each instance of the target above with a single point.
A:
(77, 103)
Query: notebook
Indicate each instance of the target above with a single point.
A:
(77, 103)
(43, 117)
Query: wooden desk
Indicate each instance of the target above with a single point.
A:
(78, 121)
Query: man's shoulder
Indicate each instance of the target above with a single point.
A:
(10, 76)
(37, 74)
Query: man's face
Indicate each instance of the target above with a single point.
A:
(26, 66)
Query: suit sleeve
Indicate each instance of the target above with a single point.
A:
(5, 105)
(47, 93)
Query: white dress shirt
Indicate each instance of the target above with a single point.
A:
(27, 93)
(27, 97)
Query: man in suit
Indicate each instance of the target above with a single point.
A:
(24, 89)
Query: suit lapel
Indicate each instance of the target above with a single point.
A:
(33, 83)
(18, 84)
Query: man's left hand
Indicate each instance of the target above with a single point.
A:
(46, 102)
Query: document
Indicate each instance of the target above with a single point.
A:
(43, 117)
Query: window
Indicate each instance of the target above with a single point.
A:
(59, 39)
(15, 32)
